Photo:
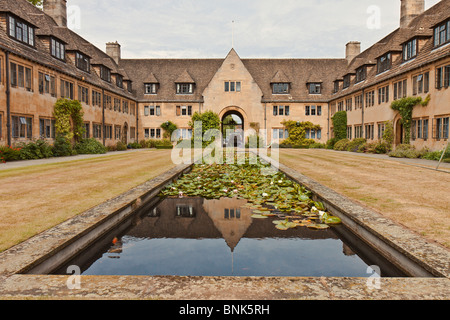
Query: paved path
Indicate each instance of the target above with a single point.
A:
(429, 164)
(27, 163)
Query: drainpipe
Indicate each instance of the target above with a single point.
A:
(137, 121)
(265, 123)
(8, 100)
(328, 122)
(103, 117)
(362, 113)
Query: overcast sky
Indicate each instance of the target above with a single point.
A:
(262, 28)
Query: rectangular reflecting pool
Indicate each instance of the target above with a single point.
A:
(200, 237)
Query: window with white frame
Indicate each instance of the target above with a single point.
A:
(281, 110)
(232, 86)
(150, 88)
(421, 83)
(280, 134)
(313, 134)
(185, 88)
(57, 49)
(410, 50)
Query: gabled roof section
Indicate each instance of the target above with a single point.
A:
(280, 77)
(184, 77)
(151, 79)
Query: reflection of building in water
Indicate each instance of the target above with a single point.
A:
(347, 250)
(229, 218)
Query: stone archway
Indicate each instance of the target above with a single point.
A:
(398, 131)
(234, 121)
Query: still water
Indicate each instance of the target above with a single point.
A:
(200, 237)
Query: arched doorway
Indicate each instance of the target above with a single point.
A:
(399, 132)
(233, 124)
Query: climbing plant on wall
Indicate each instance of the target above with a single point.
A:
(340, 125)
(69, 119)
(169, 127)
(297, 132)
(405, 108)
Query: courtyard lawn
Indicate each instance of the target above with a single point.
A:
(36, 198)
(414, 197)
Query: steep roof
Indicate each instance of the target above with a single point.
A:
(46, 26)
(420, 27)
(168, 72)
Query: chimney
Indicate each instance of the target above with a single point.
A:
(57, 9)
(353, 48)
(409, 10)
(113, 50)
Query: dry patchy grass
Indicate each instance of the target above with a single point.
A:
(415, 197)
(34, 199)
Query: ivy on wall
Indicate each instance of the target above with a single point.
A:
(340, 125)
(69, 121)
(405, 108)
(297, 132)
(169, 127)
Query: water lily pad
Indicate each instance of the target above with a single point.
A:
(319, 226)
(258, 216)
(332, 220)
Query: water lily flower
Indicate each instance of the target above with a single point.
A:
(280, 181)
(271, 182)
(225, 190)
(235, 191)
(265, 194)
(321, 213)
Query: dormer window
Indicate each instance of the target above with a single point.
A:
(346, 81)
(57, 49)
(384, 62)
(336, 86)
(105, 74)
(280, 88)
(185, 88)
(119, 80)
(442, 34)
(21, 31)
(82, 62)
(410, 50)
(361, 74)
(315, 88)
(150, 88)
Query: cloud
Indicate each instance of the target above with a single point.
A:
(263, 28)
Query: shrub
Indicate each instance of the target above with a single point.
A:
(164, 144)
(407, 151)
(382, 147)
(120, 146)
(330, 143)
(39, 149)
(9, 153)
(90, 146)
(62, 147)
(135, 145)
(148, 143)
(317, 145)
(354, 145)
(341, 145)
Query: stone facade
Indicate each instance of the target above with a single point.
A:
(128, 100)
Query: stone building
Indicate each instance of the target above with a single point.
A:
(129, 99)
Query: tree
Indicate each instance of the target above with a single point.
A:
(209, 120)
(37, 3)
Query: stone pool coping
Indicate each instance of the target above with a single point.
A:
(26, 286)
